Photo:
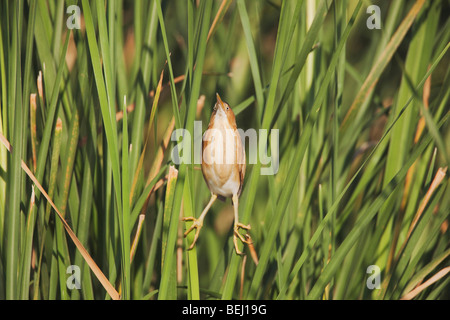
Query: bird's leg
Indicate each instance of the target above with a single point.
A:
(238, 225)
(198, 223)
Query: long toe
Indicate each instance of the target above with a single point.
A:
(192, 227)
(239, 252)
(243, 226)
(188, 230)
(241, 237)
(197, 232)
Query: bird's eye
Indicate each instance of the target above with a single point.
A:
(228, 108)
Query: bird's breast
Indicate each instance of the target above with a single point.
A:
(220, 163)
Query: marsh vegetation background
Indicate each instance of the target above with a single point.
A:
(90, 197)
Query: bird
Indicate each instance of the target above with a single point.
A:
(223, 167)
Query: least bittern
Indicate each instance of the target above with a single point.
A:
(223, 167)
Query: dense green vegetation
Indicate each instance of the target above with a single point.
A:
(362, 119)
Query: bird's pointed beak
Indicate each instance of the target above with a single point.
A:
(219, 100)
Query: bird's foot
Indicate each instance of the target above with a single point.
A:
(240, 236)
(197, 224)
